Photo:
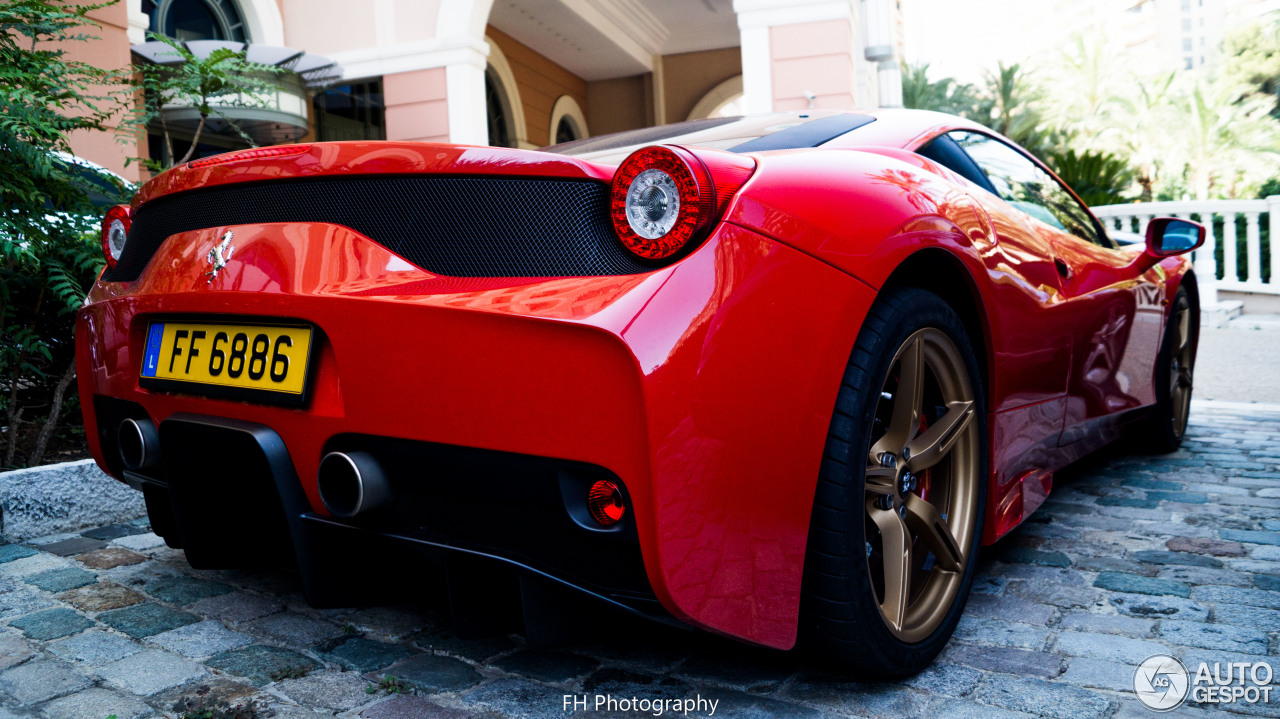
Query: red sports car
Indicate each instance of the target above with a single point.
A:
(776, 377)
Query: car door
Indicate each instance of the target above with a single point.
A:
(1112, 315)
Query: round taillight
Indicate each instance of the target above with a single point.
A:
(660, 200)
(115, 233)
(604, 502)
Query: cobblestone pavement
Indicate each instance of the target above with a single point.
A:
(1132, 556)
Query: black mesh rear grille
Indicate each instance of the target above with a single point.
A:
(455, 226)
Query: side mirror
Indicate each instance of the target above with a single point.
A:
(1169, 236)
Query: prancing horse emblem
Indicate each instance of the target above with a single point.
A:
(219, 255)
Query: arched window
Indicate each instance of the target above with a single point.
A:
(497, 109)
(565, 131)
(188, 20)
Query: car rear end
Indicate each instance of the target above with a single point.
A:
(492, 378)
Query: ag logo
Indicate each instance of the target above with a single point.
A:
(1161, 683)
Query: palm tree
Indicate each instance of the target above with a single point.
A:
(945, 95)
(1222, 136)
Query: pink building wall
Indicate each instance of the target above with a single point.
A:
(813, 57)
(417, 105)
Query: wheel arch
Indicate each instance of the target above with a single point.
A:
(942, 273)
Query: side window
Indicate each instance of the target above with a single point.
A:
(944, 151)
(1024, 185)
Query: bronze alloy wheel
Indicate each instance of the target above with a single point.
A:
(922, 485)
(1180, 369)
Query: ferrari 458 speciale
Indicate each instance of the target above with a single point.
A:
(777, 377)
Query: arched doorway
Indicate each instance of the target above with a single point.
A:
(568, 121)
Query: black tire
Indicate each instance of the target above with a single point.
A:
(1162, 431)
(841, 625)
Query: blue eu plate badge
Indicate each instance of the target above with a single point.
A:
(152, 357)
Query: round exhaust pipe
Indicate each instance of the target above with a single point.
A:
(352, 483)
(139, 444)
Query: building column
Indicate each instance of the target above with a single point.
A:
(819, 54)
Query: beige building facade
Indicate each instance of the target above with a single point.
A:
(517, 73)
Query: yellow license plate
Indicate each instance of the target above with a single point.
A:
(247, 361)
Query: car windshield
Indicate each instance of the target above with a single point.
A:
(720, 133)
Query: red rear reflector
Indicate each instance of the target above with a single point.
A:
(604, 501)
(115, 233)
(256, 153)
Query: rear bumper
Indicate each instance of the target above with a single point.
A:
(705, 387)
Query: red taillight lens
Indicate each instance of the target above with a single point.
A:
(256, 153)
(660, 199)
(604, 501)
(115, 233)
(663, 197)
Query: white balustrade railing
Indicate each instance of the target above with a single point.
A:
(1237, 273)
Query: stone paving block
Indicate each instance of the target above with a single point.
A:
(1036, 696)
(897, 702)
(139, 542)
(113, 531)
(151, 671)
(1203, 575)
(60, 580)
(14, 651)
(1135, 584)
(23, 601)
(1236, 595)
(184, 590)
(1109, 624)
(1131, 502)
(1265, 552)
(1024, 555)
(202, 639)
(110, 558)
(477, 650)
(1269, 582)
(101, 597)
(51, 624)
(1115, 564)
(1159, 607)
(1000, 606)
(237, 607)
(339, 691)
(963, 709)
(1047, 574)
(999, 632)
(363, 655)
(1227, 637)
(75, 545)
(949, 680)
(1108, 646)
(1004, 659)
(739, 667)
(1180, 497)
(1199, 545)
(10, 552)
(1099, 674)
(431, 673)
(33, 564)
(293, 629)
(390, 622)
(1250, 536)
(94, 647)
(40, 680)
(144, 620)
(1049, 595)
(96, 703)
(259, 662)
(1243, 616)
(406, 706)
(1151, 556)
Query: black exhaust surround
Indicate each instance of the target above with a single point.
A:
(229, 496)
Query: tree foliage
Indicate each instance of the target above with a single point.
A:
(48, 248)
(206, 83)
